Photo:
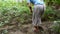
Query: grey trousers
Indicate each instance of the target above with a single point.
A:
(37, 13)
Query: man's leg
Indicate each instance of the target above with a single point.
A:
(37, 13)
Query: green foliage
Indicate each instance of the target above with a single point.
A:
(57, 1)
(49, 14)
(56, 26)
(10, 11)
(4, 32)
(19, 12)
(52, 2)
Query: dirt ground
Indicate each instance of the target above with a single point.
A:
(25, 29)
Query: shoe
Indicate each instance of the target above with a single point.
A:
(38, 28)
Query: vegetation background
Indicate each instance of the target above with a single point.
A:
(17, 12)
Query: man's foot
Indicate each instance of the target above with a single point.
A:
(38, 28)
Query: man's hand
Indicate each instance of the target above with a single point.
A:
(30, 9)
(29, 5)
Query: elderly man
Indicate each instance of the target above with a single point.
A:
(38, 11)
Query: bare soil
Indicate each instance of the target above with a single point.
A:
(25, 29)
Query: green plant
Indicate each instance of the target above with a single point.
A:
(49, 14)
(4, 32)
(10, 11)
(56, 27)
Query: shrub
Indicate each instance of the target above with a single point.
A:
(18, 12)
(51, 14)
(10, 12)
(56, 27)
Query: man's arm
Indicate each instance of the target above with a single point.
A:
(30, 6)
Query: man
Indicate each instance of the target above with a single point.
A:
(37, 12)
